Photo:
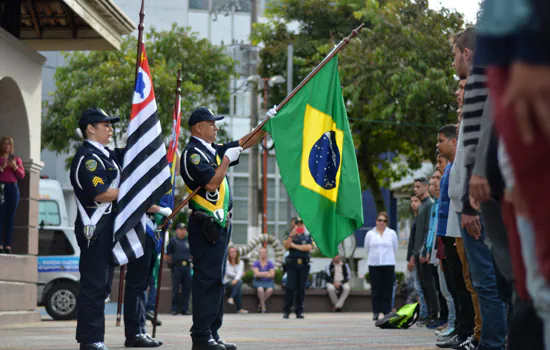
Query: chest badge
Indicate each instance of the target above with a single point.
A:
(195, 158)
(91, 165)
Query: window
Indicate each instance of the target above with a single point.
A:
(48, 213)
(242, 167)
(53, 242)
(198, 4)
(238, 233)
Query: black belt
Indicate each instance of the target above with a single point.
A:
(298, 261)
(183, 263)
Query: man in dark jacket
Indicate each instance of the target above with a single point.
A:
(338, 274)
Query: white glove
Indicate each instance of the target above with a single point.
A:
(271, 113)
(233, 153)
(165, 211)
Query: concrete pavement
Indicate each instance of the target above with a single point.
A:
(251, 332)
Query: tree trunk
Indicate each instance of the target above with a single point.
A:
(374, 187)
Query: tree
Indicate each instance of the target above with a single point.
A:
(105, 79)
(396, 75)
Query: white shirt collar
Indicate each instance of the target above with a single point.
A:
(100, 147)
(207, 145)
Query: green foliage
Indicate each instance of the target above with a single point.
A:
(105, 79)
(248, 277)
(399, 276)
(396, 75)
(279, 276)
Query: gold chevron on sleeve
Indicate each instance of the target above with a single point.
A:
(97, 180)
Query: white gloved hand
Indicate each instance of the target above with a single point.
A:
(165, 211)
(271, 113)
(233, 153)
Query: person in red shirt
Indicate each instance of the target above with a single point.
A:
(11, 170)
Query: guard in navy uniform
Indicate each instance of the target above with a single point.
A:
(95, 176)
(138, 275)
(179, 256)
(205, 164)
(299, 246)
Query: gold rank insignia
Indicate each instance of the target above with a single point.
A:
(97, 180)
(91, 165)
(195, 158)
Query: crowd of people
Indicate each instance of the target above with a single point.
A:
(477, 248)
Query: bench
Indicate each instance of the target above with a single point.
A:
(316, 300)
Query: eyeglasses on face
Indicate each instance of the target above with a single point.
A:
(381, 220)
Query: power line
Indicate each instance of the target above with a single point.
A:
(388, 122)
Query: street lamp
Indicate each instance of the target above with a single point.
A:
(268, 82)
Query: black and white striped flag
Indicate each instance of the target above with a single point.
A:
(145, 172)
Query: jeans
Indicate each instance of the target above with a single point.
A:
(8, 204)
(537, 286)
(451, 318)
(492, 308)
(152, 298)
(418, 287)
(236, 293)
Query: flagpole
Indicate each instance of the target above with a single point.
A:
(310, 76)
(163, 227)
(138, 61)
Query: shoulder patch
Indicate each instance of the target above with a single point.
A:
(97, 180)
(91, 165)
(195, 158)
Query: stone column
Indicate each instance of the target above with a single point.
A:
(25, 235)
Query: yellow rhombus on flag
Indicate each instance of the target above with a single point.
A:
(317, 161)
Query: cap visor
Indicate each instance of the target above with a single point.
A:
(218, 117)
(113, 119)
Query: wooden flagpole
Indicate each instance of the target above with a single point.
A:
(138, 61)
(163, 227)
(310, 76)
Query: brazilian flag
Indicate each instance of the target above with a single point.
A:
(317, 161)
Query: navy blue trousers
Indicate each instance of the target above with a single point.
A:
(296, 280)
(181, 276)
(7, 211)
(93, 266)
(208, 288)
(138, 275)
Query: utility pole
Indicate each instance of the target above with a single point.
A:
(253, 156)
(289, 88)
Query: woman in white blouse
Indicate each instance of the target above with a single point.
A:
(234, 270)
(381, 247)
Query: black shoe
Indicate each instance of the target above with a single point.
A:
(150, 315)
(228, 346)
(375, 317)
(174, 313)
(93, 346)
(300, 316)
(470, 343)
(151, 338)
(211, 345)
(186, 313)
(7, 250)
(141, 341)
(449, 343)
(285, 315)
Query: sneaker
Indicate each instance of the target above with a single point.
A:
(469, 344)
(449, 343)
(433, 324)
(422, 322)
(242, 311)
(230, 301)
(446, 332)
(442, 327)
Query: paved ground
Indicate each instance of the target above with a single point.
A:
(250, 332)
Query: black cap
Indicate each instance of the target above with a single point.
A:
(95, 115)
(181, 225)
(299, 219)
(203, 114)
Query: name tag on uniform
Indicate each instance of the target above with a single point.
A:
(184, 263)
(299, 261)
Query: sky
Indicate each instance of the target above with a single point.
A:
(468, 7)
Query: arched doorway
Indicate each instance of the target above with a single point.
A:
(14, 122)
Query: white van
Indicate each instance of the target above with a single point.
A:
(58, 254)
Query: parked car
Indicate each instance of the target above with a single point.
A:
(58, 254)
